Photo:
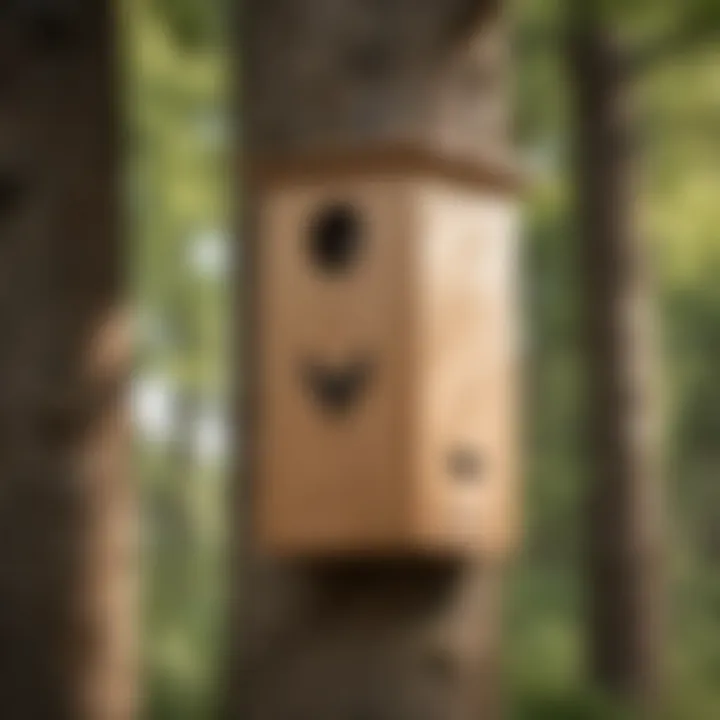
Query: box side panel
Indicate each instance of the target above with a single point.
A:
(467, 434)
(332, 436)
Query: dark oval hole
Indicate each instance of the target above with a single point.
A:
(335, 238)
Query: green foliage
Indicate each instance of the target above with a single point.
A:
(580, 705)
(177, 199)
(193, 23)
(678, 97)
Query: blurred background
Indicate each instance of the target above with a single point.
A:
(177, 64)
(178, 193)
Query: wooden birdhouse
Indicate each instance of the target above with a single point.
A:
(387, 356)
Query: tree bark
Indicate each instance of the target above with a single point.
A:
(368, 640)
(624, 561)
(65, 620)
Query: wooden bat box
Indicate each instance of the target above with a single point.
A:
(387, 358)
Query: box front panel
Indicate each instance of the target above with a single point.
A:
(332, 406)
(467, 426)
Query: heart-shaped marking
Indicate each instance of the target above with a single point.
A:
(337, 388)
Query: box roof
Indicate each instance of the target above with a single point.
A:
(391, 160)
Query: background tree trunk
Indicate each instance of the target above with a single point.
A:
(369, 640)
(65, 620)
(625, 588)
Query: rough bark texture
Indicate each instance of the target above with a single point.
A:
(327, 74)
(623, 514)
(368, 640)
(64, 580)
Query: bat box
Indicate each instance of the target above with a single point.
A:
(386, 343)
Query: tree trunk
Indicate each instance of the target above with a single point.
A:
(372, 640)
(625, 588)
(65, 626)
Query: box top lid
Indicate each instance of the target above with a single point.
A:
(396, 160)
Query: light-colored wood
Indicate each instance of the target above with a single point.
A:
(429, 306)
(329, 481)
(468, 355)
